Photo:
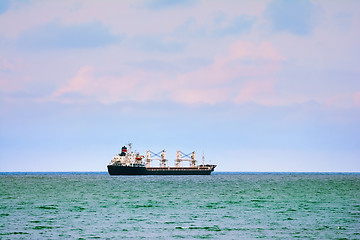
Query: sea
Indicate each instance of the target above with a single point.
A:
(218, 206)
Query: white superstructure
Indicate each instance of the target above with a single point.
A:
(127, 158)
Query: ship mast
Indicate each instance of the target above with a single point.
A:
(203, 159)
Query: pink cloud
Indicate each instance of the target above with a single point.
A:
(137, 86)
(344, 100)
(6, 65)
(245, 73)
(7, 84)
(239, 76)
(257, 91)
(357, 99)
(8, 81)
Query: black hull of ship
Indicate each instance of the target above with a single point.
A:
(128, 170)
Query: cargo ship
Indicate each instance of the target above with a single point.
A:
(128, 162)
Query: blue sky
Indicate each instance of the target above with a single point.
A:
(54, 36)
(296, 17)
(255, 85)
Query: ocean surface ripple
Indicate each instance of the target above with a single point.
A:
(220, 206)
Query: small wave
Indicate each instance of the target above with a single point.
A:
(19, 233)
(42, 227)
(144, 206)
(233, 202)
(77, 229)
(137, 219)
(236, 229)
(178, 236)
(35, 221)
(256, 205)
(78, 209)
(48, 207)
(258, 200)
(15, 233)
(213, 206)
(204, 236)
(207, 228)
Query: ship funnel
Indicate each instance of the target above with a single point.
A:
(123, 151)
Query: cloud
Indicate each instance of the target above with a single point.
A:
(163, 4)
(56, 36)
(344, 100)
(256, 90)
(296, 17)
(244, 74)
(92, 84)
(218, 26)
(6, 65)
(231, 76)
(238, 25)
(154, 44)
(9, 81)
(357, 99)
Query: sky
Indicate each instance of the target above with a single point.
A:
(267, 85)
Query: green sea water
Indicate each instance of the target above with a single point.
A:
(220, 206)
